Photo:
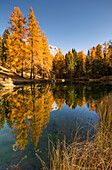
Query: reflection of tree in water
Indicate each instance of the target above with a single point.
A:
(4, 109)
(97, 96)
(59, 95)
(29, 111)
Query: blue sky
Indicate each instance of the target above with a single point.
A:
(68, 24)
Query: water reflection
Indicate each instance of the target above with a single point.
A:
(27, 110)
(95, 97)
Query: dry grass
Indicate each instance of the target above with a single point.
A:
(92, 154)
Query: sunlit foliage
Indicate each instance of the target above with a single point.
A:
(16, 41)
(26, 46)
(47, 58)
(24, 49)
(59, 64)
(34, 42)
(28, 112)
(70, 64)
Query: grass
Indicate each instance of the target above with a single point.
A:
(94, 153)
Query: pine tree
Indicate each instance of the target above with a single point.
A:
(9, 52)
(75, 61)
(98, 62)
(69, 59)
(81, 62)
(88, 64)
(110, 56)
(34, 43)
(4, 55)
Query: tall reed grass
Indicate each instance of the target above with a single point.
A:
(93, 154)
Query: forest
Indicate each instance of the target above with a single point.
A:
(25, 51)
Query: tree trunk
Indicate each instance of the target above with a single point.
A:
(22, 69)
(33, 72)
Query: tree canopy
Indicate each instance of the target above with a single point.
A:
(24, 49)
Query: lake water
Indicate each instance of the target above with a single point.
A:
(30, 116)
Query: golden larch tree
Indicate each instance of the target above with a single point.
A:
(105, 50)
(34, 43)
(59, 64)
(93, 54)
(47, 57)
(81, 62)
(16, 44)
(98, 51)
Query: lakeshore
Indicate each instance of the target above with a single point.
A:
(12, 79)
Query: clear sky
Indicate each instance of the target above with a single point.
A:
(79, 24)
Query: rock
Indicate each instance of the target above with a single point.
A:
(7, 82)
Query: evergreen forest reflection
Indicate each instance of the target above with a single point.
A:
(27, 109)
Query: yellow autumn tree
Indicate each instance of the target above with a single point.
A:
(47, 58)
(59, 64)
(99, 54)
(16, 41)
(81, 62)
(34, 43)
(93, 53)
(105, 50)
(110, 55)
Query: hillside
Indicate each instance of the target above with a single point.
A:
(9, 78)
